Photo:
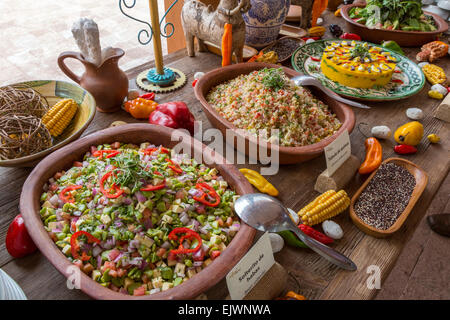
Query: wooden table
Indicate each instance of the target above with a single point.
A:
(314, 277)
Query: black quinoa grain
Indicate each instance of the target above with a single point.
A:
(385, 196)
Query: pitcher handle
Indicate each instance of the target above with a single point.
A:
(62, 65)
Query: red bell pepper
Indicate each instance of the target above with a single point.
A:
(207, 190)
(100, 153)
(189, 233)
(114, 191)
(405, 149)
(316, 235)
(194, 82)
(173, 115)
(174, 166)
(18, 241)
(75, 247)
(148, 96)
(350, 36)
(66, 196)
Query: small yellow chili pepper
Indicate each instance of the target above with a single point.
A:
(435, 94)
(259, 182)
(337, 13)
(433, 138)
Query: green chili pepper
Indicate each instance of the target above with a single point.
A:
(291, 239)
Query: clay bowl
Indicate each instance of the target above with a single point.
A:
(403, 38)
(421, 182)
(54, 91)
(287, 155)
(132, 133)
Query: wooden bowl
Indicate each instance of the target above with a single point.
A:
(421, 182)
(55, 91)
(132, 133)
(403, 38)
(287, 155)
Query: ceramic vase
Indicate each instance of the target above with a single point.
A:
(264, 20)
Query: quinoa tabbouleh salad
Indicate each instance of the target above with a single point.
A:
(139, 220)
(267, 99)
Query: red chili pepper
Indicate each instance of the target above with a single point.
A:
(173, 115)
(111, 153)
(397, 81)
(315, 59)
(175, 167)
(207, 191)
(164, 150)
(114, 188)
(316, 235)
(397, 71)
(189, 233)
(150, 187)
(448, 89)
(149, 151)
(68, 197)
(75, 247)
(148, 96)
(350, 36)
(405, 149)
(194, 82)
(18, 242)
(307, 38)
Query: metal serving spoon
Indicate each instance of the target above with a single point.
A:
(311, 81)
(266, 213)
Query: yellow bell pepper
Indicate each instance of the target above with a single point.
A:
(433, 138)
(259, 182)
(410, 133)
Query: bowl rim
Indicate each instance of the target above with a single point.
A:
(442, 24)
(415, 195)
(30, 206)
(40, 154)
(347, 124)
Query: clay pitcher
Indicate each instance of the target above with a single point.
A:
(107, 83)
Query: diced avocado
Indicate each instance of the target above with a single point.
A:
(105, 277)
(127, 282)
(161, 206)
(118, 282)
(47, 204)
(177, 281)
(166, 273)
(96, 274)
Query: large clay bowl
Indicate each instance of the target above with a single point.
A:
(287, 155)
(132, 133)
(403, 38)
(54, 91)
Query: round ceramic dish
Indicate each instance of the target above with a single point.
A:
(403, 38)
(287, 155)
(55, 91)
(412, 76)
(132, 133)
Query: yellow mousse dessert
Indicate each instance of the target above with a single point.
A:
(357, 65)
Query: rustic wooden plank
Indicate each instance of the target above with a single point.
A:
(315, 277)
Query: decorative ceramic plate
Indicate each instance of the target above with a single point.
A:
(407, 82)
(53, 92)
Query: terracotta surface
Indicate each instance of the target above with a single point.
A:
(403, 38)
(421, 182)
(288, 155)
(132, 133)
(107, 83)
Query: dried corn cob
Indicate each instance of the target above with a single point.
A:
(58, 117)
(324, 207)
(434, 74)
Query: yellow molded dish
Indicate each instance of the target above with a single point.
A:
(341, 65)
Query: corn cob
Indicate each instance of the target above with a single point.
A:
(324, 207)
(58, 117)
(434, 74)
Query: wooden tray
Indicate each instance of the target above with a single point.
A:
(421, 182)
(288, 30)
(247, 54)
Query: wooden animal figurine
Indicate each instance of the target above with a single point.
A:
(206, 24)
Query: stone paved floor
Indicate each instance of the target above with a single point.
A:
(35, 32)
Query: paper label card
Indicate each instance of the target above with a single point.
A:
(337, 152)
(252, 267)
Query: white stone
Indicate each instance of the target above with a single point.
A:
(440, 88)
(381, 132)
(198, 75)
(332, 229)
(276, 241)
(319, 21)
(414, 113)
(309, 41)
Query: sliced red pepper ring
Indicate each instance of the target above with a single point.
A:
(75, 247)
(208, 191)
(114, 191)
(164, 150)
(101, 153)
(175, 167)
(66, 195)
(151, 187)
(315, 59)
(149, 151)
(189, 234)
